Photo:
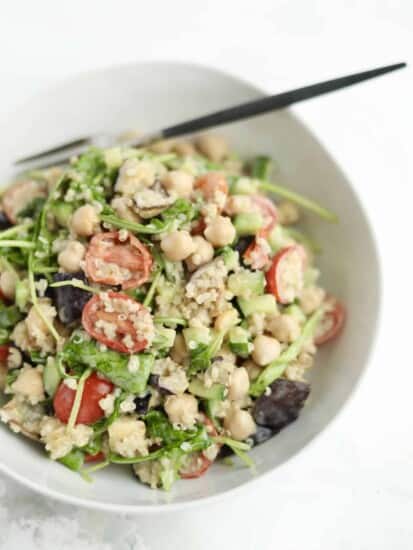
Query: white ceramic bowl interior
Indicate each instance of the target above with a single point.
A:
(148, 96)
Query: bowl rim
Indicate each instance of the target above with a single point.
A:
(140, 509)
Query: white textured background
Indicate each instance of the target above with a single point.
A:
(353, 488)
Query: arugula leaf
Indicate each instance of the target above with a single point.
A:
(110, 363)
(180, 213)
(202, 355)
(73, 460)
(9, 316)
(261, 167)
(159, 427)
(33, 209)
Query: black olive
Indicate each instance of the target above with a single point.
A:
(69, 300)
(262, 434)
(142, 403)
(154, 382)
(242, 244)
(4, 221)
(282, 406)
(224, 452)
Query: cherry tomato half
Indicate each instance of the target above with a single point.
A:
(198, 463)
(89, 412)
(94, 458)
(198, 227)
(332, 322)
(196, 467)
(268, 211)
(19, 195)
(285, 276)
(212, 185)
(125, 314)
(257, 254)
(4, 353)
(112, 261)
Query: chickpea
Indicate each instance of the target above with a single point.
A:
(123, 208)
(162, 147)
(182, 409)
(288, 213)
(185, 148)
(178, 182)
(179, 352)
(220, 231)
(212, 146)
(239, 423)
(226, 320)
(311, 299)
(8, 280)
(266, 349)
(240, 384)
(177, 245)
(84, 221)
(285, 328)
(202, 254)
(238, 204)
(71, 256)
(252, 369)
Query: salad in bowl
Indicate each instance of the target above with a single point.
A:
(159, 308)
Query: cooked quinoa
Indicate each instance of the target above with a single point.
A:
(158, 309)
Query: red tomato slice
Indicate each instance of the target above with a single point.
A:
(197, 466)
(89, 412)
(212, 185)
(268, 211)
(126, 314)
(199, 227)
(4, 353)
(112, 261)
(94, 458)
(332, 322)
(256, 254)
(285, 276)
(199, 463)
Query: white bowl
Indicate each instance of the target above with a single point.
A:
(148, 96)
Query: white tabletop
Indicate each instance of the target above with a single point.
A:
(353, 487)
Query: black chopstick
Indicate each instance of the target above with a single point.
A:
(273, 102)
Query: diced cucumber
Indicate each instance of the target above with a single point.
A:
(246, 283)
(278, 238)
(62, 212)
(230, 257)
(244, 186)
(51, 377)
(260, 304)
(164, 337)
(22, 294)
(248, 223)
(195, 336)
(238, 339)
(198, 388)
(295, 311)
(211, 409)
